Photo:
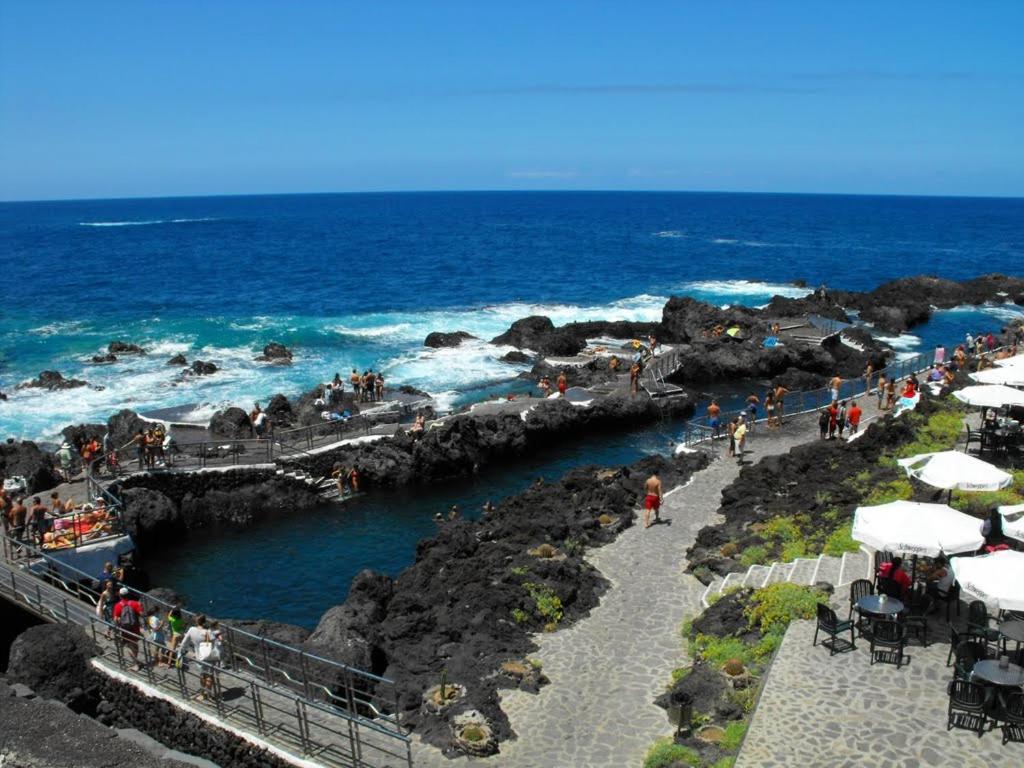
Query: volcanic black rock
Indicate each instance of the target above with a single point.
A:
(279, 411)
(52, 660)
(201, 368)
(178, 359)
(109, 357)
(29, 461)
(275, 352)
(231, 422)
(515, 356)
(52, 380)
(123, 426)
(124, 348)
(149, 515)
(79, 434)
(440, 339)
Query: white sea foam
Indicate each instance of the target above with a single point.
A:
(144, 223)
(672, 234)
(744, 288)
(1006, 311)
(906, 345)
(57, 328)
(376, 331)
(724, 241)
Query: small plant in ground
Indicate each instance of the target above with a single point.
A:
(679, 673)
(519, 571)
(551, 626)
(734, 733)
(755, 555)
(898, 489)
(544, 551)
(791, 550)
(547, 603)
(719, 650)
(841, 540)
(519, 616)
(773, 607)
(515, 669)
(606, 519)
(724, 762)
(572, 547)
(664, 754)
(473, 733)
(733, 667)
(745, 698)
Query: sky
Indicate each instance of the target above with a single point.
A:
(143, 98)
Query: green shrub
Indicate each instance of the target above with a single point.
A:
(892, 490)
(745, 698)
(519, 616)
(679, 673)
(724, 762)
(718, 650)
(841, 540)
(664, 754)
(773, 607)
(981, 503)
(791, 550)
(755, 555)
(767, 645)
(734, 733)
(780, 529)
(547, 603)
(519, 571)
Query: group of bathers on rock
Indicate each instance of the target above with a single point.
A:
(368, 387)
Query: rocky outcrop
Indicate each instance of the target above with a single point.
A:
(78, 434)
(279, 411)
(109, 357)
(52, 380)
(232, 423)
(468, 603)
(439, 339)
(539, 334)
(160, 507)
(201, 368)
(149, 516)
(124, 425)
(29, 461)
(275, 352)
(124, 348)
(898, 305)
(594, 372)
(515, 356)
(685, 320)
(52, 660)
(178, 359)
(462, 445)
(345, 633)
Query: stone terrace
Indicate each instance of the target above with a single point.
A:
(842, 712)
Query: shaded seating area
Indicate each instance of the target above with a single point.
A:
(832, 627)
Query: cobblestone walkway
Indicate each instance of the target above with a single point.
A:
(606, 670)
(841, 712)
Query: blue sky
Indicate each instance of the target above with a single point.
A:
(102, 99)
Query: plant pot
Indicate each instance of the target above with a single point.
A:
(471, 735)
(710, 734)
(433, 704)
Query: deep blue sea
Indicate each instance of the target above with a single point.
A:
(358, 280)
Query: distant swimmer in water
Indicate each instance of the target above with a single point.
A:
(652, 500)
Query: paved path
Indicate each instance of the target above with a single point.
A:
(607, 669)
(841, 711)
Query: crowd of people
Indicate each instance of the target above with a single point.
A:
(58, 524)
(367, 387)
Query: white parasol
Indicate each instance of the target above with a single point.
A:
(914, 528)
(997, 579)
(990, 395)
(953, 470)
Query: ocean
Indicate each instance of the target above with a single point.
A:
(359, 280)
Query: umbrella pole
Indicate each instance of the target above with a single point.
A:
(913, 571)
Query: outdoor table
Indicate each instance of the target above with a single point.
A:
(989, 671)
(875, 605)
(1013, 629)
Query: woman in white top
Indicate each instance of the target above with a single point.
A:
(205, 640)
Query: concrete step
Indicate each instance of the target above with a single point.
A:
(711, 589)
(855, 565)
(732, 581)
(802, 570)
(828, 569)
(756, 576)
(779, 572)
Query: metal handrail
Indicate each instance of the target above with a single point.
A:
(372, 692)
(698, 429)
(258, 695)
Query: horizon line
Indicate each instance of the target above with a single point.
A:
(18, 201)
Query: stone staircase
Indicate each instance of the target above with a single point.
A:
(324, 486)
(837, 571)
(851, 343)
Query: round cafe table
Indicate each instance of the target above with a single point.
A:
(1013, 629)
(875, 605)
(990, 671)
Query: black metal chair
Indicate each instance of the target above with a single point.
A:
(1009, 714)
(978, 623)
(967, 705)
(858, 589)
(951, 598)
(888, 639)
(916, 618)
(830, 624)
(955, 638)
(967, 654)
(973, 436)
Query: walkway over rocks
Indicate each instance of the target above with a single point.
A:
(606, 669)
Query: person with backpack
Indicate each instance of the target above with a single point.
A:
(128, 619)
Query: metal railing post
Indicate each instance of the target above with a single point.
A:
(266, 661)
(305, 674)
(300, 714)
(257, 706)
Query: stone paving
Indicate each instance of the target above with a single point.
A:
(843, 712)
(606, 670)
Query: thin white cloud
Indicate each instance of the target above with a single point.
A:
(652, 173)
(539, 174)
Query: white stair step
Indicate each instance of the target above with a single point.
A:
(855, 566)
(779, 572)
(756, 575)
(732, 580)
(828, 570)
(711, 589)
(802, 571)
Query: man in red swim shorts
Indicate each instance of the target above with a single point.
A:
(652, 500)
